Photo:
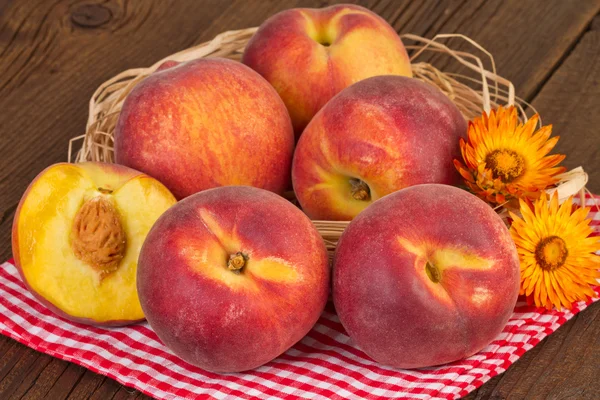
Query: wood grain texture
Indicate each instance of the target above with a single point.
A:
(566, 365)
(570, 101)
(54, 53)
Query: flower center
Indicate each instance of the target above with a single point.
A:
(551, 253)
(505, 164)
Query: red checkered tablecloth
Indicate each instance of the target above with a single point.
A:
(325, 364)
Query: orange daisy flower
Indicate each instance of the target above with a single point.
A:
(556, 252)
(505, 160)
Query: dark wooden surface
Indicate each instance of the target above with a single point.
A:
(54, 53)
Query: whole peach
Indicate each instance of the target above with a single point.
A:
(425, 276)
(309, 55)
(377, 136)
(206, 123)
(232, 277)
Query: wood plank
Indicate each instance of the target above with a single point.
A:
(21, 371)
(106, 390)
(6, 344)
(567, 363)
(11, 356)
(569, 101)
(53, 55)
(62, 386)
(52, 62)
(41, 384)
(563, 366)
(125, 393)
(517, 34)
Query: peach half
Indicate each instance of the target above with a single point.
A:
(76, 238)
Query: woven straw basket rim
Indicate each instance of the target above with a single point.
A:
(482, 90)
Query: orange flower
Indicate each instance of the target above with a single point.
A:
(558, 264)
(506, 160)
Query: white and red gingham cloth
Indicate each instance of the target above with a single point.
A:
(325, 364)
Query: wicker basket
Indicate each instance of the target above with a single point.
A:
(479, 89)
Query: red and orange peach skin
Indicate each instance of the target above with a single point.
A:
(309, 55)
(206, 123)
(231, 277)
(375, 137)
(425, 276)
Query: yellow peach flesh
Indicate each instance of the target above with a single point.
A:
(46, 257)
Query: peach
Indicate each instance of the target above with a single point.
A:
(206, 123)
(377, 136)
(425, 276)
(76, 237)
(309, 55)
(231, 277)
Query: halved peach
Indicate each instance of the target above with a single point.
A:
(76, 238)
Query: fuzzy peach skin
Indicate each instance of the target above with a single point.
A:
(309, 55)
(377, 136)
(206, 123)
(42, 239)
(222, 319)
(425, 276)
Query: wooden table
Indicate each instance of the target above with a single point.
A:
(54, 53)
